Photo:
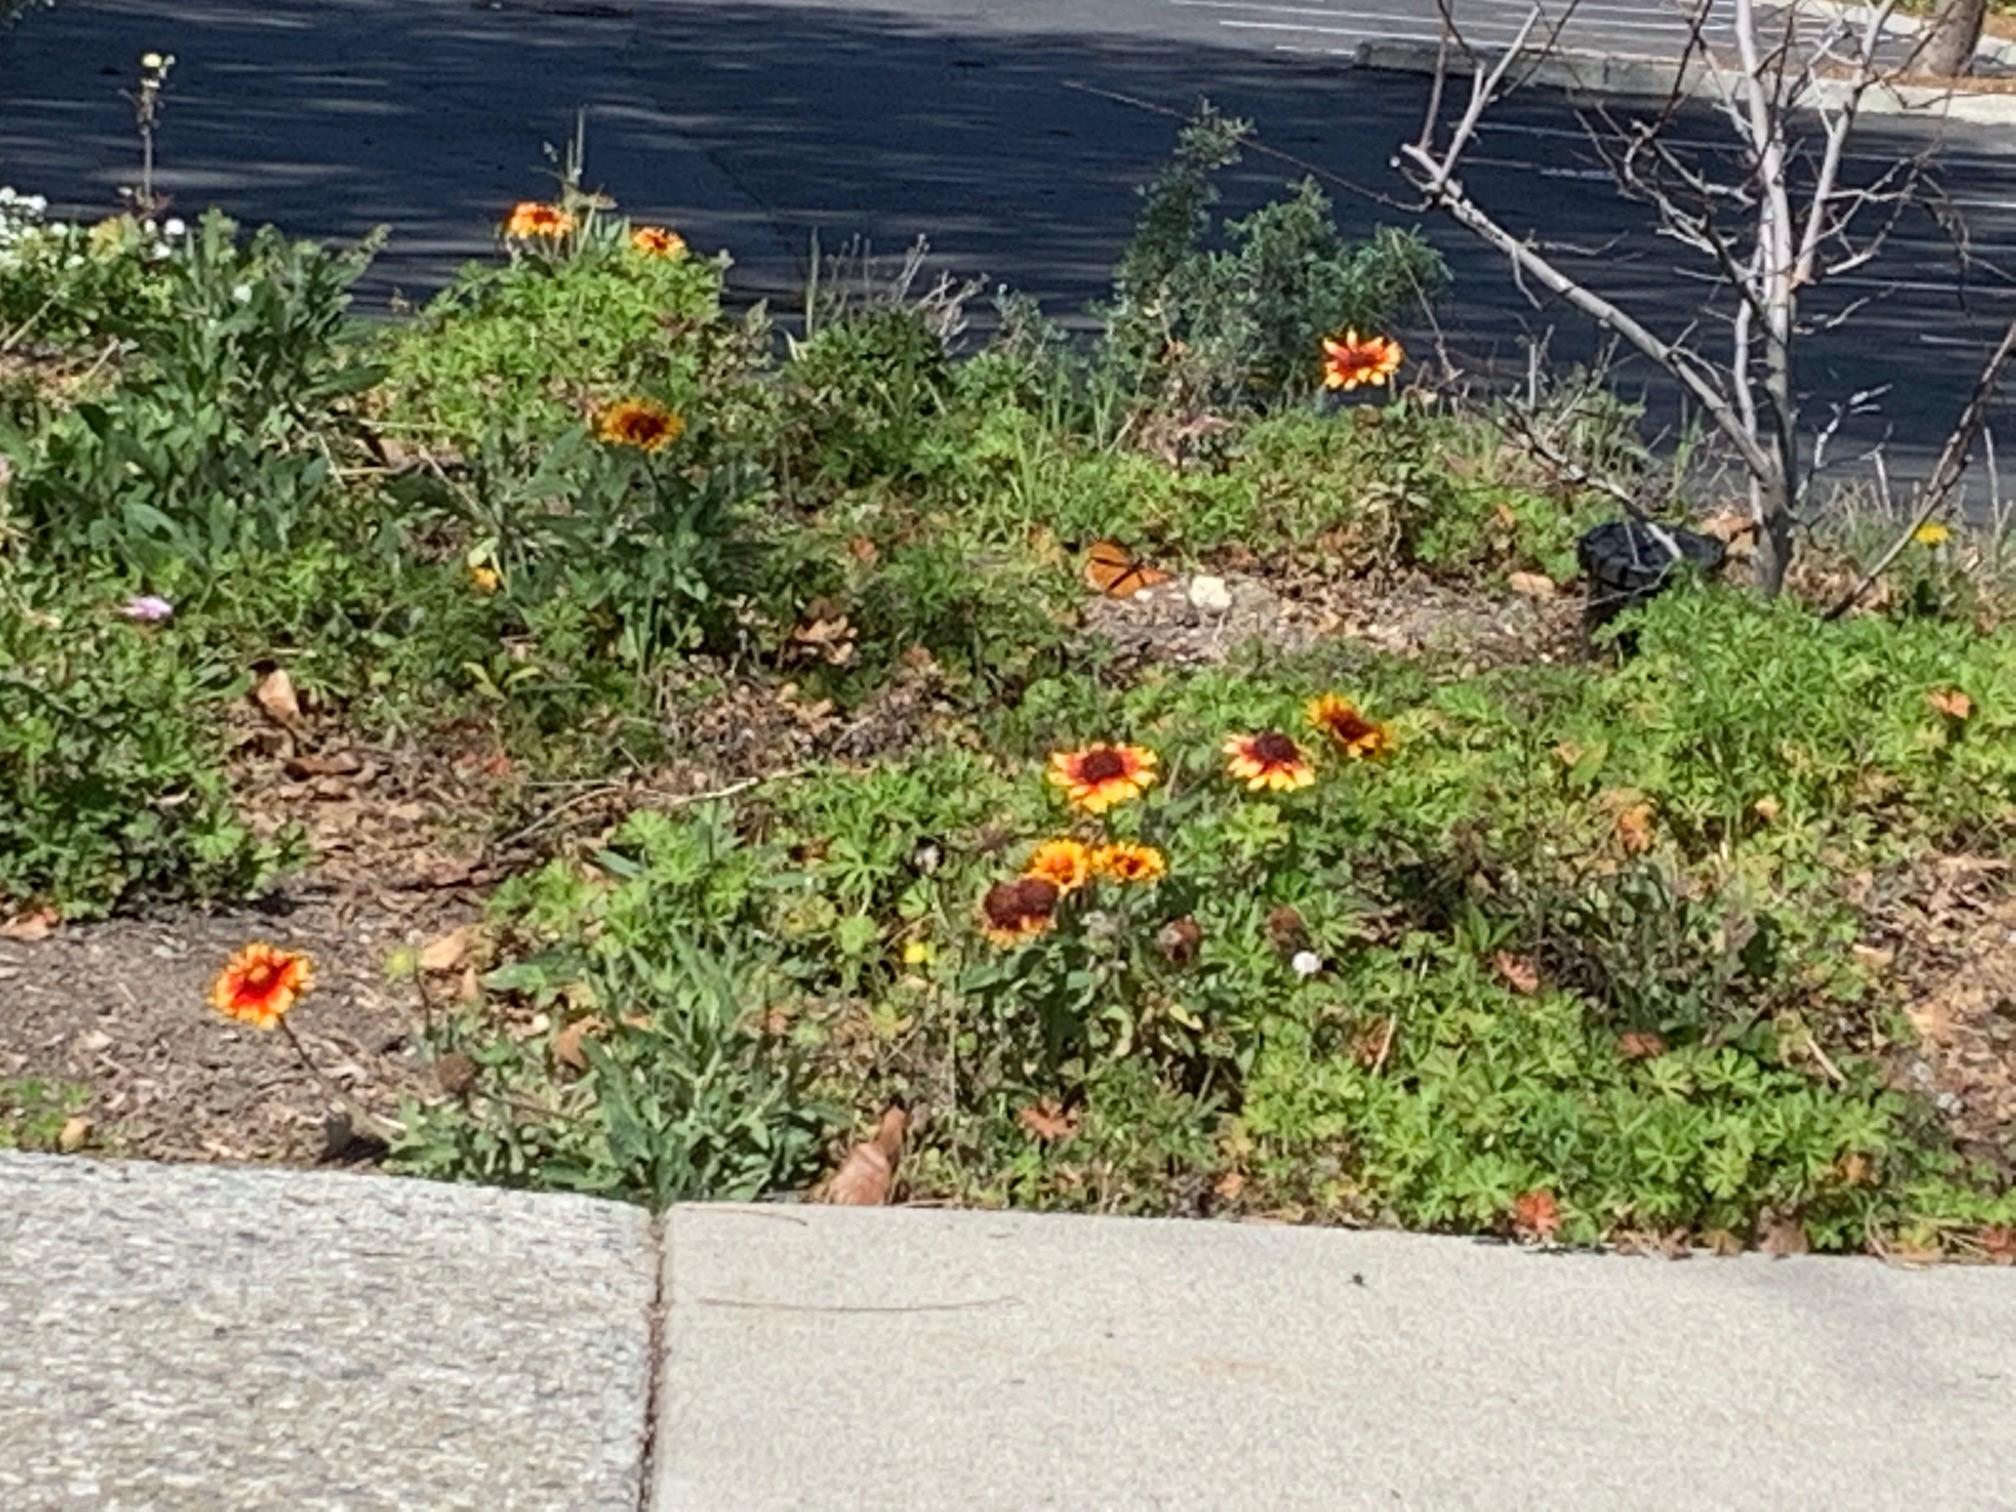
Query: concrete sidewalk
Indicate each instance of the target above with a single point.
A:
(209, 1337)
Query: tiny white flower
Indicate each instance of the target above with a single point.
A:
(174, 227)
(150, 61)
(1306, 963)
(157, 251)
(242, 293)
(74, 260)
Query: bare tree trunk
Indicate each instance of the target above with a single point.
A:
(1948, 46)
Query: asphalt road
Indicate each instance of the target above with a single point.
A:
(1009, 134)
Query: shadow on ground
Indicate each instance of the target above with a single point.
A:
(999, 134)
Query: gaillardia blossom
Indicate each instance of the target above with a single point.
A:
(1014, 912)
(1124, 862)
(1100, 775)
(260, 983)
(1349, 730)
(1350, 360)
(533, 220)
(1065, 864)
(657, 241)
(639, 423)
(1268, 762)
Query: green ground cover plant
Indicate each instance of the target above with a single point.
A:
(1525, 933)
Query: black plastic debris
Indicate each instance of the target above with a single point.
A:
(1628, 562)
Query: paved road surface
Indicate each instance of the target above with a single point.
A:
(991, 127)
(203, 1337)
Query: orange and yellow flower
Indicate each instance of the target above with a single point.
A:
(1066, 864)
(639, 423)
(1100, 775)
(1013, 913)
(260, 983)
(1349, 730)
(658, 241)
(1268, 762)
(1350, 360)
(1124, 862)
(533, 220)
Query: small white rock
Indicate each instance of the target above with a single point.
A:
(1210, 594)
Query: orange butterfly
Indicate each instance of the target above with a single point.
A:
(1113, 570)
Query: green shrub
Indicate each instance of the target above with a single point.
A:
(530, 347)
(1240, 325)
(111, 770)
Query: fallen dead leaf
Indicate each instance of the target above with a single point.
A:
(276, 697)
(1230, 1185)
(862, 550)
(1531, 585)
(1634, 829)
(1728, 525)
(1999, 1244)
(1951, 702)
(74, 1135)
(1782, 1234)
(1536, 1214)
(26, 928)
(1049, 1120)
(1721, 1242)
(1520, 973)
(1640, 1044)
(1178, 940)
(568, 1048)
(864, 1177)
(339, 764)
(455, 1073)
(1766, 809)
(448, 952)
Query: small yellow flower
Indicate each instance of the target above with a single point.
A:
(1123, 862)
(1065, 864)
(1268, 762)
(485, 580)
(1100, 775)
(657, 241)
(1932, 533)
(260, 983)
(639, 423)
(1351, 732)
(916, 953)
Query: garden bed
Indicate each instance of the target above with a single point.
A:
(1175, 776)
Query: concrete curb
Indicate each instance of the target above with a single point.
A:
(1645, 78)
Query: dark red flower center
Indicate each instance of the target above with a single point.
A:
(1102, 765)
(1275, 749)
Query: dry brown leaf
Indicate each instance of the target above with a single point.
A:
(864, 1177)
(276, 697)
(74, 1135)
(1767, 810)
(1634, 829)
(1520, 973)
(1728, 525)
(1230, 1185)
(1531, 585)
(568, 1049)
(456, 1074)
(1049, 1120)
(1782, 1234)
(1640, 1044)
(862, 550)
(1286, 929)
(1536, 1214)
(35, 924)
(449, 951)
(1951, 702)
(1178, 940)
(1721, 1242)
(340, 764)
(1999, 1244)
